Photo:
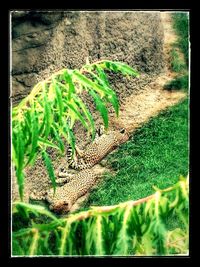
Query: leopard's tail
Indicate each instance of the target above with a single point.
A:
(74, 162)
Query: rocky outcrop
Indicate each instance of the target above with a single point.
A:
(43, 42)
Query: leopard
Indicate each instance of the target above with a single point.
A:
(72, 187)
(102, 145)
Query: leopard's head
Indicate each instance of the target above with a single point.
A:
(60, 207)
(62, 172)
(122, 135)
(59, 203)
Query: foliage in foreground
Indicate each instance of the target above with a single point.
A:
(47, 115)
(129, 228)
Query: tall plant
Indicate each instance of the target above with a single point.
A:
(131, 228)
(48, 113)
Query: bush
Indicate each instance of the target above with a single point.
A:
(180, 82)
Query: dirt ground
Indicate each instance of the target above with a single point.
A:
(134, 112)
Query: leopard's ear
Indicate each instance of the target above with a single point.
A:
(69, 205)
(123, 130)
(51, 207)
(101, 129)
(62, 169)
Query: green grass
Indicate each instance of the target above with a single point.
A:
(156, 155)
(177, 64)
(181, 26)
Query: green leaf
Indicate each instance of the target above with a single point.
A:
(49, 167)
(69, 136)
(112, 98)
(100, 107)
(122, 242)
(47, 116)
(45, 142)
(20, 182)
(34, 136)
(51, 92)
(75, 110)
(20, 149)
(119, 67)
(99, 82)
(89, 83)
(99, 244)
(86, 112)
(64, 238)
(22, 232)
(59, 101)
(160, 237)
(58, 139)
(108, 93)
(42, 127)
(67, 75)
(28, 123)
(14, 148)
(20, 157)
(102, 75)
(36, 209)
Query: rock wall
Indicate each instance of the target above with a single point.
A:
(44, 42)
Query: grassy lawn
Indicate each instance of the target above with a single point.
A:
(156, 154)
(181, 26)
(178, 64)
